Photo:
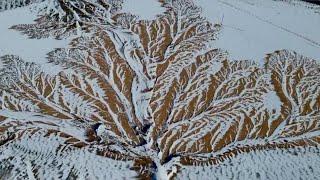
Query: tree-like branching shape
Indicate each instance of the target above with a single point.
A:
(63, 18)
(154, 92)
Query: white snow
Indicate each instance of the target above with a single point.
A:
(101, 130)
(15, 43)
(145, 9)
(54, 162)
(272, 101)
(273, 164)
(65, 126)
(253, 28)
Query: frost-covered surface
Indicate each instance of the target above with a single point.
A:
(161, 97)
(145, 9)
(13, 42)
(272, 164)
(252, 28)
(44, 158)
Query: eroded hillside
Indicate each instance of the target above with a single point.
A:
(149, 94)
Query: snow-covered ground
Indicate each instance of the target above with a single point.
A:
(273, 164)
(145, 9)
(252, 28)
(15, 43)
(53, 164)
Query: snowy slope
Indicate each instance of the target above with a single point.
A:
(277, 164)
(145, 9)
(252, 28)
(163, 89)
(38, 154)
(13, 42)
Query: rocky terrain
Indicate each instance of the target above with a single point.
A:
(155, 98)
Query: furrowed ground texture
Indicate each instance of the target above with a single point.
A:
(152, 98)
